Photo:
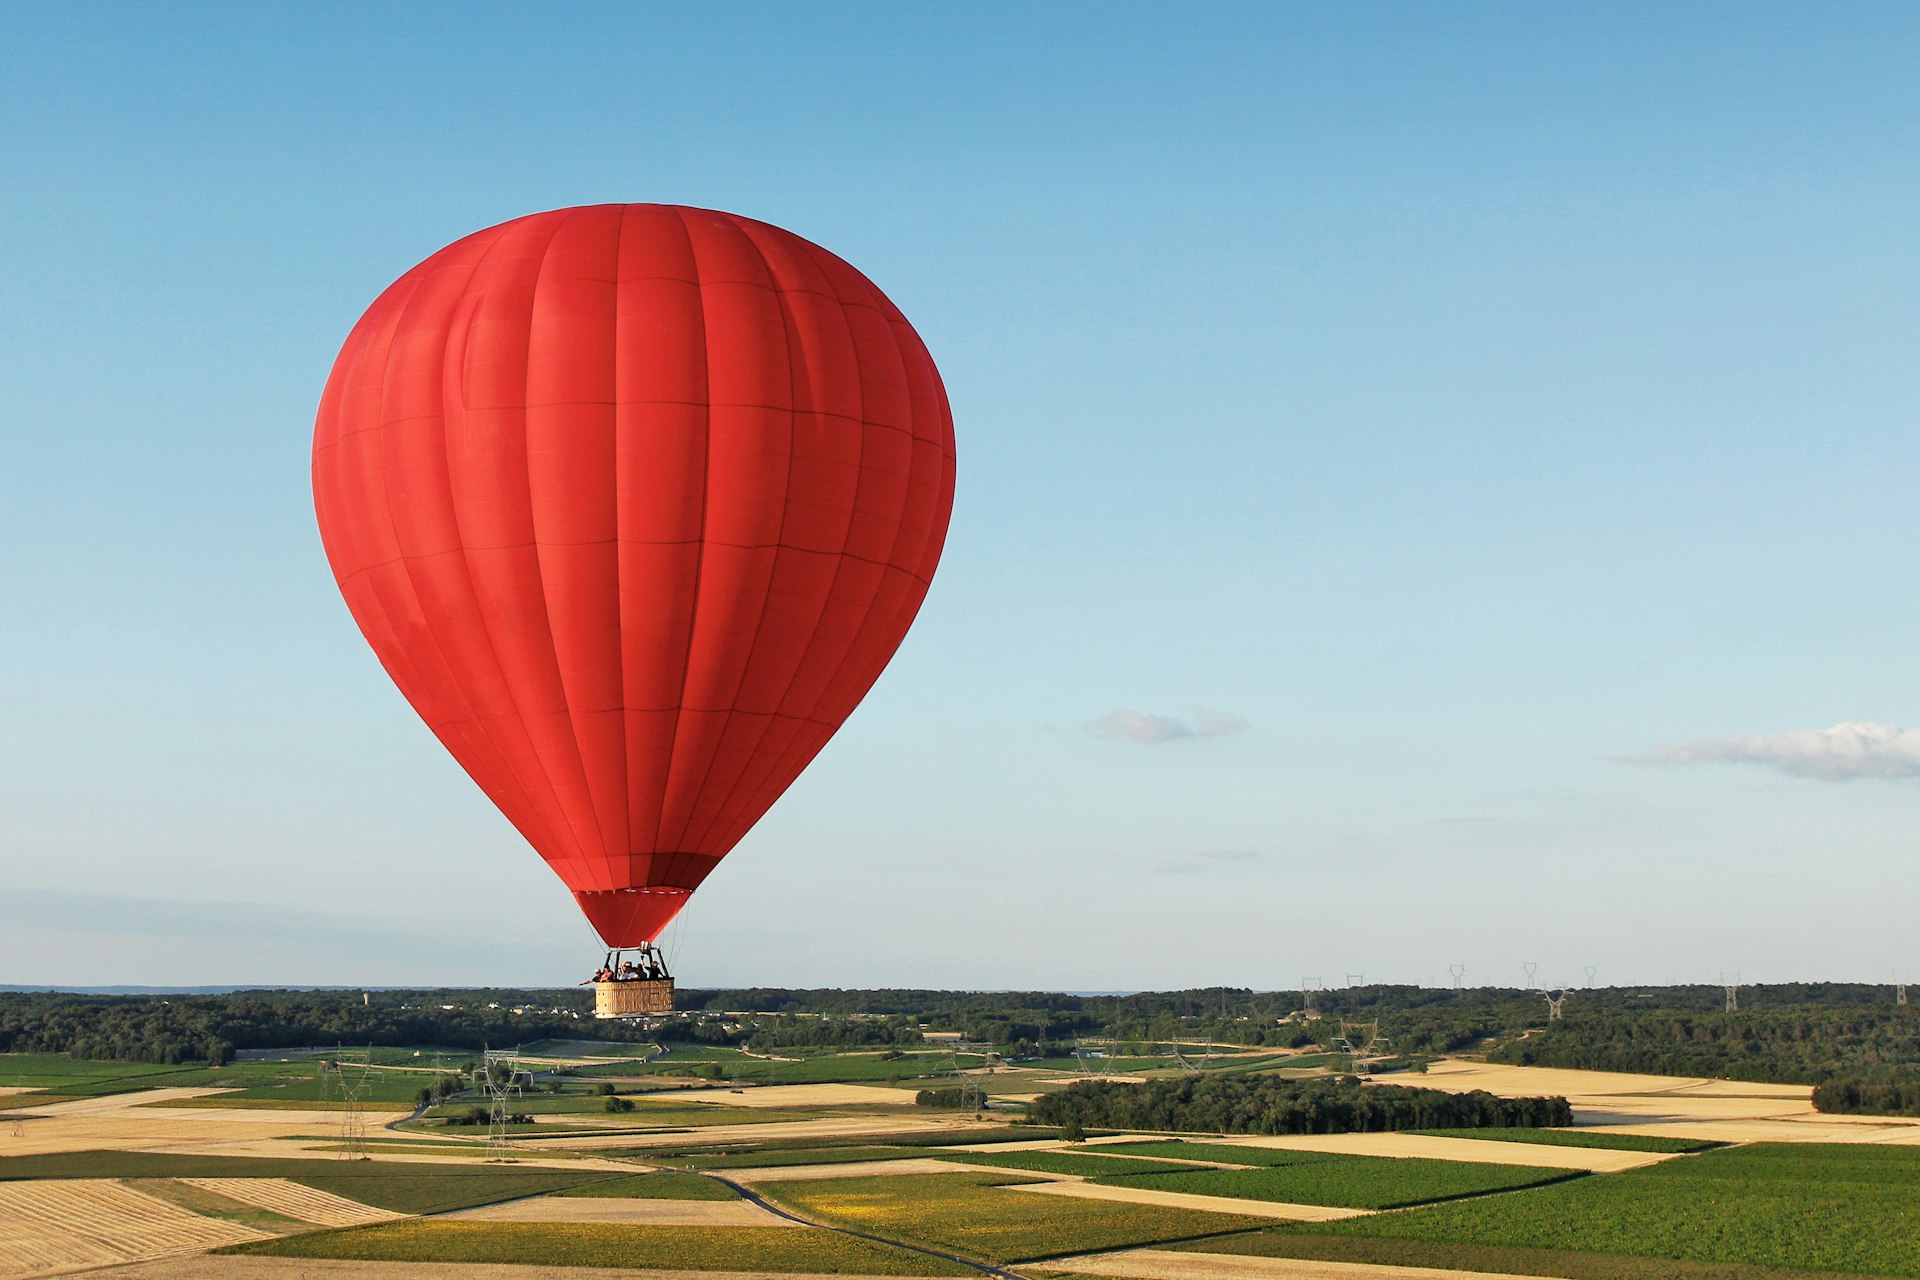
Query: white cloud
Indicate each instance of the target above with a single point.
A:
(1127, 725)
(1217, 724)
(1202, 861)
(1840, 754)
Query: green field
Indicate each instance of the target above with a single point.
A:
(599, 1245)
(1491, 1259)
(752, 1152)
(301, 1085)
(1352, 1182)
(1817, 1207)
(1101, 1167)
(403, 1188)
(771, 1159)
(1217, 1152)
(255, 1082)
(1580, 1138)
(655, 1186)
(978, 1216)
(731, 1066)
(647, 1111)
(58, 1071)
(589, 1049)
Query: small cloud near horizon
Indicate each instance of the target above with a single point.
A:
(1127, 725)
(1843, 753)
(1202, 861)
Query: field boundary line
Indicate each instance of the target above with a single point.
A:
(749, 1194)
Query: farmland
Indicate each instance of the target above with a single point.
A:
(608, 1166)
(1355, 1182)
(599, 1245)
(1772, 1205)
(976, 1215)
(1578, 1138)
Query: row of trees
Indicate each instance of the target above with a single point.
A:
(1804, 1045)
(1851, 1095)
(1272, 1104)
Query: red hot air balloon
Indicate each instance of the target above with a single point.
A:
(634, 503)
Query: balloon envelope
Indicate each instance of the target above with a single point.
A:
(634, 503)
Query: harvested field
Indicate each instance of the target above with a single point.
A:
(227, 1267)
(290, 1199)
(799, 1095)
(1166, 1264)
(54, 1226)
(1124, 1194)
(658, 1213)
(144, 1122)
(1617, 1092)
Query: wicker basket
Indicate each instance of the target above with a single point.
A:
(630, 999)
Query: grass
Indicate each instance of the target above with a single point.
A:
(402, 1188)
(655, 1186)
(1580, 1138)
(1814, 1207)
(767, 1249)
(1491, 1259)
(976, 1215)
(1352, 1182)
(1100, 1167)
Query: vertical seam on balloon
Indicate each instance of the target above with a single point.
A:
(540, 575)
(700, 548)
(620, 555)
(722, 819)
(493, 650)
(386, 495)
(486, 629)
(486, 723)
(798, 744)
(909, 604)
(695, 837)
(688, 838)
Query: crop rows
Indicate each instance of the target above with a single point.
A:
(1354, 1182)
(48, 1225)
(1840, 1208)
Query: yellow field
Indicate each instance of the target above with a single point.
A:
(658, 1213)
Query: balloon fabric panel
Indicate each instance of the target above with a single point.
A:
(633, 503)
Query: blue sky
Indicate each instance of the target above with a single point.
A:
(1493, 424)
